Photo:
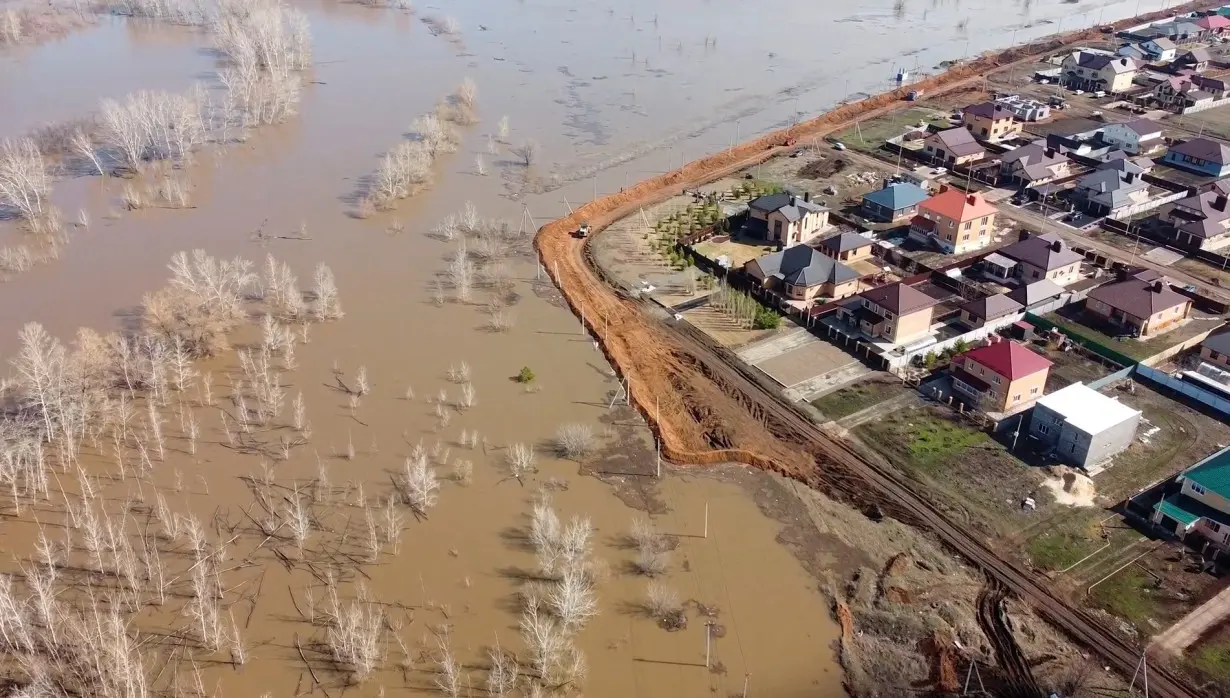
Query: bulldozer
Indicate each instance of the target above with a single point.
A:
(582, 231)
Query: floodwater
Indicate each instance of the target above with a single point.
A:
(613, 94)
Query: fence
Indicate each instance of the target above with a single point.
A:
(1104, 381)
(1207, 105)
(1151, 204)
(1179, 348)
(1103, 351)
(1189, 390)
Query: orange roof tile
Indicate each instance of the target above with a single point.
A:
(958, 206)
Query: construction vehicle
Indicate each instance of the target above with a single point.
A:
(582, 231)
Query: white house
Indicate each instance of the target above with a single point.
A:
(1024, 108)
(1160, 49)
(1133, 137)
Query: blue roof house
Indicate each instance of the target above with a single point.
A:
(1200, 155)
(1202, 504)
(895, 202)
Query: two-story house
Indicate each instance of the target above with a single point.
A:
(1214, 25)
(1115, 187)
(1142, 304)
(990, 122)
(1025, 108)
(955, 221)
(977, 313)
(1161, 49)
(1090, 71)
(1216, 349)
(1195, 60)
(897, 313)
(1201, 221)
(1081, 426)
(803, 273)
(1185, 91)
(952, 147)
(1034, 164)
(1200, 155)
(1133, 137)
(1044, 256)
(1201, 504)
(786, 219)
(1000, 375)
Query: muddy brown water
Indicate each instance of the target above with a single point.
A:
(613, 97)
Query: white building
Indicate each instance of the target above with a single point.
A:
(1024, 108)
(1133, 137)
(1082, 426)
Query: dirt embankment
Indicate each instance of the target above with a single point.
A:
(696, 421)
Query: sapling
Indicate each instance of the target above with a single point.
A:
(504, 672)
(520, 458)
(468, 396)
(480, 167)
(575, 441)
(393, 523)
(463, 472)
(448, 676)
(572, 600)
(663, 603)
(459, 374)
(503, 128)
(419, 483)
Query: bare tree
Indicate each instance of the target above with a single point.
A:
(572, 600)
(527, 150)
(502, 128)
(24, 181)
(419, 484)
(520, 459)
(575, 441)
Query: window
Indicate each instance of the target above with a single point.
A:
(965, 236)
(1198, 489)
(1016, 398)
(1044, 429)
(996, 380)
(968, 225)
(1215, 526)
(1214, 355)
(1033, 391)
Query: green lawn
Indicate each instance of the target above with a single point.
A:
(870, 135)
(1059, 550)
(935, 441)
(1212, 660)
(1129, 595)
(847, 401)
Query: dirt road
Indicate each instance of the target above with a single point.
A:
(707, 407)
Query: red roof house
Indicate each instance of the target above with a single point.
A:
(1000, 375)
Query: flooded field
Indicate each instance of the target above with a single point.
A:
(279, 512)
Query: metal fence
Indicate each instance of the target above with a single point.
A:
(1188, 390)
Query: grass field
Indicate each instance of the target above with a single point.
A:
(870, 135)
(1128, 595)
(847, 401)
(1060, 549)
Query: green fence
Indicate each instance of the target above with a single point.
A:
(1100, 349)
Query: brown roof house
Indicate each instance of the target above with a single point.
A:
(1195, 60)
(786, 219)
(977, 313)
(1093, 71)
(897, 313)
(955, 146)
(1034, 164)
(1000, 375)
(1183, 91)
(1044, 257)
(1143, 304)
(1201, 221)
(803, 273)
(1036, 293)
(990, 122)
(847, 247)
(1216, 348)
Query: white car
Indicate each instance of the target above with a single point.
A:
(839, 146)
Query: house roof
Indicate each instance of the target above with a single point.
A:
(1203, 149)
(791, 206)
(1112, 183)
(957, 205)
(1046, 252)
(1199, 215)
(804, 266)
(958, 141)
(899, 298)
(1102, 61)
(1139, 297)
(1038, 291)
(1143, 127)
(1212, 473)
(845, 242)
(1196, 55)
(993, 307)
(1035, 160)
(1213, 22)
(1086, 409)
(1188, 511)
(999, 260)
(988, 110)
(1008, 359)
(1163, 44)
(1219, 342)
(897, 196)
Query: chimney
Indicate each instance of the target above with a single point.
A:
(1220, 202)
(1050, 152)
(1023, 236)
(807, 196)
(1056, 246)
(972, 199)
(793, 199)
(1122, 61)
(943, 188)
(1158, 286)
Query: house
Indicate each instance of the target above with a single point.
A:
(1216, 348)
(1195, 60)
(1000, 375)
(803, 273)
(1082, 426)
(897, 313)
(786, 219)
(1133, 137)
(997, 267)
(977, 313)
(1160, 49)
(1200, 155)
(1142, 304)
(958, 222)
(1094, 71)
(1133, 51)
(1113, 188)
(897, 201)
(1202, 503)
(1034, 164)
(1073, 135)
(847, 247)
(1201, 221)
(954, 146)
(1186, 91)
(1024, 108)
(1034, 294)
(1044, 257)
(990, 122)
(1214, 25)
